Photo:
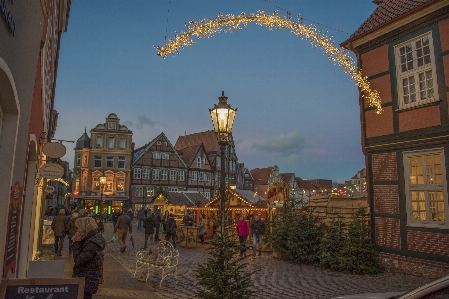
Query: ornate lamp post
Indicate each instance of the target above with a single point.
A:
(223, 119)
(102, 183)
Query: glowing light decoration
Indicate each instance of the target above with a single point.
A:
(318, 39)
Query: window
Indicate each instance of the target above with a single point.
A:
(156, 155)
(121, 162)
(78, 160)
(137, 173)
(97, 161)
(198, 162)
(208, 177)
(96, 183)
(139, 191)
(120, 184)
(155, 174)
(99, 141)
(165, 143)
(218, 161)
(122, 143)
(181, 175)
(165, 156)
(426, 188)
(416, 74)
(164, 174)
(109, 161)
(172, 175)
(111, 142)
(194, 175)
(85, 161)
(150, 191)
(202, 177)
(173, 189)
(207, 195)
(146, 174)
(158, 143)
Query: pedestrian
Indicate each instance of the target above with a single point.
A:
(140, 217)
(157, 223)
(122, 226)
(171, 229)
(115, 216)
(188, 219)
(242, 230)
(202, 228)
(72, 230)
(164, 221)
(148, 224)
(130, 214)
(88, 246)
(258, 229)
(100, 224)
(60, 227)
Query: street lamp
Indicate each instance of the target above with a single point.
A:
(102, 183)
(223, 119)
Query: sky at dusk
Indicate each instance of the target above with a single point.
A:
(296, 109)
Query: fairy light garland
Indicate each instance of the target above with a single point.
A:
(207, 28)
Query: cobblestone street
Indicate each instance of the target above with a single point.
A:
(275, 279)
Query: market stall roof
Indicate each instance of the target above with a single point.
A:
(188, 198)
(247, 196)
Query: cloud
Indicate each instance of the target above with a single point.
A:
(288, 146)
(143, 121)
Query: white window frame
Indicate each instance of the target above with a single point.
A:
(415, 73)
(165, 156)
(98, 159)
(121, 162)
(181, 175)
(202, 177)
(207, 194)
(137, 173)
(139, 191)
(208, 175)
(78, 160)
(172, 175)
(156, 155)
(198, 162)
(163, 174)
(111, 141)
(194, 175)
(145, 174)
(156, 174)
(99, 141)
(426, 188)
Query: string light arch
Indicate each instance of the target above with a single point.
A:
(207, 28)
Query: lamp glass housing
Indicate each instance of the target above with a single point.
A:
(102, 180)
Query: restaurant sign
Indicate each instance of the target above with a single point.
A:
(51, 171)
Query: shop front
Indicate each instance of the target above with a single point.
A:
(91, 204)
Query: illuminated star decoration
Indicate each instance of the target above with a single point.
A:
(227, 23)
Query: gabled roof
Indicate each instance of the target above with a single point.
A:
(387, 12)
(305, 185)
(139, 152)
(247, 196)
(286, 177)
(208, 139)
(190, 153)
(261, 175)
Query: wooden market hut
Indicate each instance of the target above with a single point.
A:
(178, 202)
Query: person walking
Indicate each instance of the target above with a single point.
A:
(157, 223)
(202, 228)
(171, 229)
(100, 224)
(72, 230)
(60, 227)
(164, 221)
(115, 216)
(148, 224)
(140, 217)
(242, 230)
(88, 246)
(122, 226)
(258, 229)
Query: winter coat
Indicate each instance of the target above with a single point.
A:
(202, 228)
(157, 218)
(123, 223)
(72, 227)
(130, 215)
(87, 256)
(148, 224)
(60, 225)
(258, 227)
(164, 219)
(242, 228)
(141, 214)
(188, 220)
(171, 226)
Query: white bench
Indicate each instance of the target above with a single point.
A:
(160, 257)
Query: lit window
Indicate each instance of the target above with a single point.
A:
(426, 188)
(120, 184)
(415, 68)
(137, 173)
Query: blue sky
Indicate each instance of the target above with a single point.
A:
(296, 109)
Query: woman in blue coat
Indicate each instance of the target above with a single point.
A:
(88, 246)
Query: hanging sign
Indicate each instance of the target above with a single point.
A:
(51, 171)
(15, 202)
(54, 149)
(50, 189)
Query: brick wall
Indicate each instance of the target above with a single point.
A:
(443, 27)
(386, 199)
(384, 167)
(375, 61)
(383, 86)
(388, 232)
(408, 265)
(379, 124)
(428, 242)
(419, 118)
